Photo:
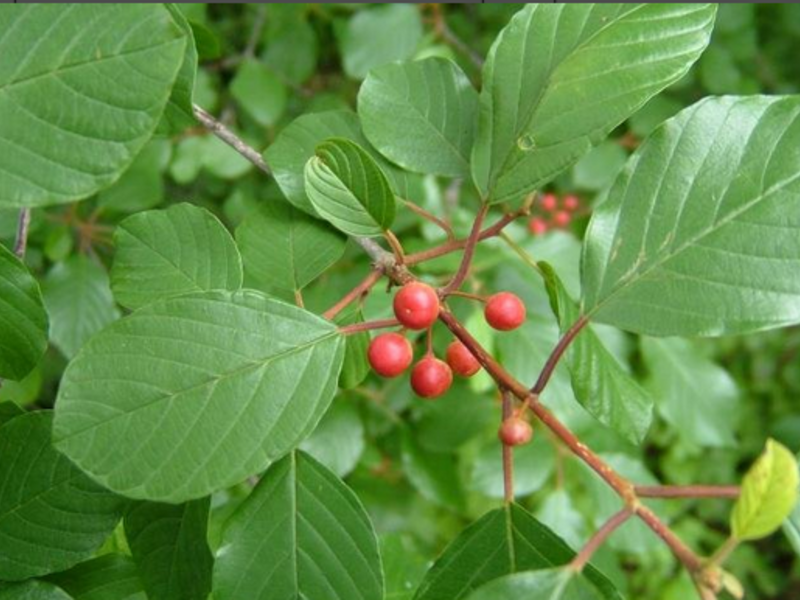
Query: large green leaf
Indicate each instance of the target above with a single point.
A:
(302, 533)
(348, 188)
(168, 543)
(51, 514)
(599, 381)
(79, 302)
(560, 77)
(547, 584)
(178, 114)
(285, 248)
(23, 320)
(699, 235)
(32, 590)
(338, 440)
(696, 396)
(195, 393)
(769, 494)
(8, 411)
(109, 577)
(503, 541)
(259, 91)
(296, 143)
(81, 90)
(179, 250)
(431, 98)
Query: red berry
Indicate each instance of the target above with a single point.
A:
(461, 360)
(431, 377)
(389, 354)
(515, 432)
(416, 305)
(504, 311)
(571, 202)
(537, 226)
(549, 202)
(562, 218)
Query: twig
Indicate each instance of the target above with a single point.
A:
(432, 218)
(255, 33)
(557, 353)
(520, 251)
(444, 31)
(688, 491)
(396, 246)
(230, 138)
(508, 453)
(601, 535)
(357, 292)
(368, 325)
(469, 252)
(24, 224)
(298, 298)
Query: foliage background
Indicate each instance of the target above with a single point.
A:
(424, 470)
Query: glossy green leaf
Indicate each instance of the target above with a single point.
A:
(80, 102)
(431, 98)
(109, 577)
(699, 234)
(178, 114)
(285, 248)
(547, 584)
(302, 533)
(78, 299)
(696, 396)
(599, 381)
(51, 514)
(168, 544)
(195, 393)
(348, 188)
(560, 77)
(23, 320)
(32, 590)
(259, 91)
(338, 440)
(179, 250)
(769, 494)
(503, 541)
(378, 36)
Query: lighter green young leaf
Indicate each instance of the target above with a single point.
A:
(560, 77)
(23, 320)
(311, 532)
(699, 235)
(348, 188)
(421, 115)
(80, 102)
(196, 393)
(769, 494)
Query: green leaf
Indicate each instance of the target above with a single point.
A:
(32, 590)
(168, 544)
(8, 411)
(403, 566)
(196, 393)
(699, 235)
(559, 513)
(769, 494)
(431, 98)
(434, 474)
(560, 77)
(534, 463)
(338, 440)
(109, 577)
(23, 320)
(548, 584)
(696, 396)
(259, 92)
(285, 248)
(141, 187)
(791, 527)
(80, 103)
(170, 252)
(51, 514)
(292, 51)
(302, 533)
(356, 366)
(348, 188)
(601, 384)
(378, 36)
(178, 114)
(455, 418)
(79, 301)
(503, 541)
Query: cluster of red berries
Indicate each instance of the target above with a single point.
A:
(416, 306)
(556, 213)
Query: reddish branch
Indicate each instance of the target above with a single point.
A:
(369, 325)
(688, 491)
(602, 534)
(469, 251)
(357, 292)
(557, 353)
(508, 453)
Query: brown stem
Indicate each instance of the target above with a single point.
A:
(476, 297)
(469, 252)
(368, 325)
(357, 292)
(688, 491)
(23, 225)
(230, 138)
(508, 453)
(601, 535)
(689, 559)
(298, 298)
(397, 247)
(432, 218)
(557, 353)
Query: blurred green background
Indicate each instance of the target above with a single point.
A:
(425, 470)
